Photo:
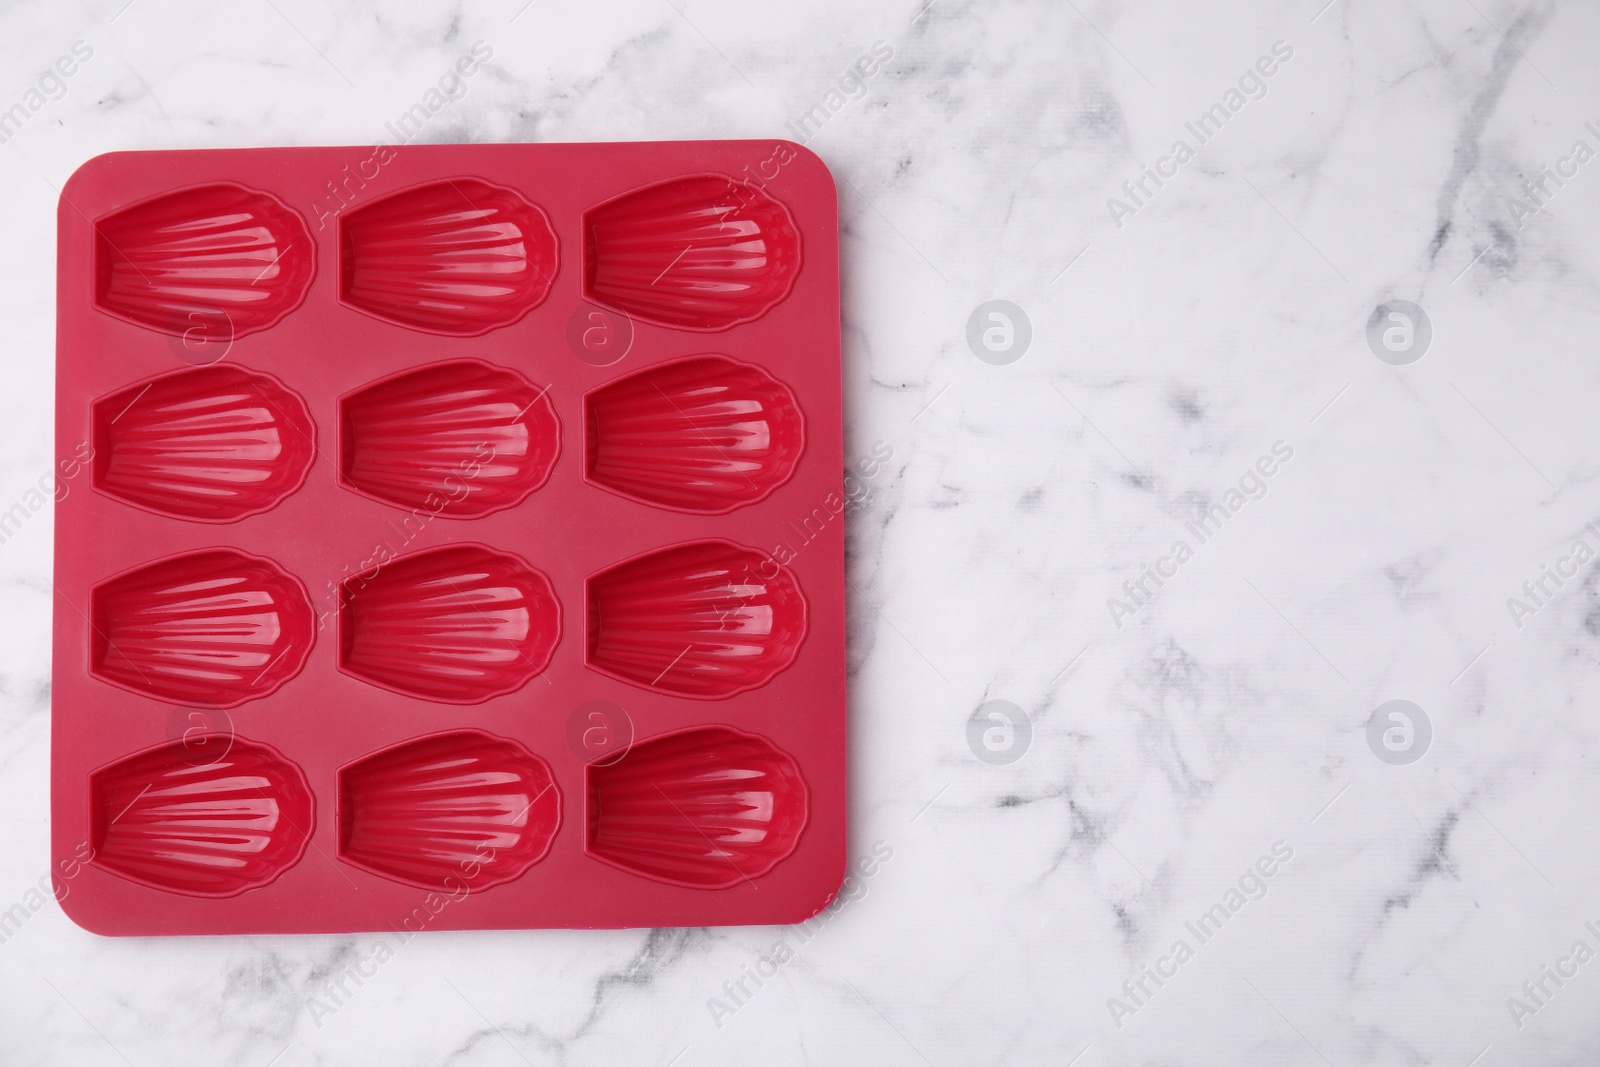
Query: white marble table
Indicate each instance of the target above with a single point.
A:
(1203, 855)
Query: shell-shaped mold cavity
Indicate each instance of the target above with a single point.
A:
(214, 261)
(460, 439)
(459, 257)
(707, 808)
(698, 253)
(705, 434)
(213, 628)
(211, 828)
(458, 624)
(464, 808)
(708, 619)
(212, 444)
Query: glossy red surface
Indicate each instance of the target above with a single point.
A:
(705, 434)
(201, 258)
(459, 624)
(709, 808)
(695, 253)
(402, 582)
(213, 628)
(209, 826)
(459, 257)
(460, 812)
(709, 619)
(212, 444)
(460, 439)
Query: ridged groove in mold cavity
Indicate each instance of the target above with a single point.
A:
(705, 434)
(461, 439)
(221, 259)
(214, 628)
(453, 809)
(212, 444)
(709, 619)
(459, 257)
(699, 253)
(707, 808)
(458, 624)
(206, 829)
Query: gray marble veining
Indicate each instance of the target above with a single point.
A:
(1126, 600)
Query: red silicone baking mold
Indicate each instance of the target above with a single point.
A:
(449, 537)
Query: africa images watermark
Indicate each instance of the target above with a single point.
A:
(1137, 992)
(851, 85)
(738, 991)
(1252, 85)
(54, 484)
(1537, 992)
(453, 489)
(50, 86)
(1137, 593)
(1399, 732)
(803, 530)
(999, 332)
(799, 534)
(1537, 192)
(56, 883)
(999, 732)
(1537, 593)
(450, 89)
(337, 989)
